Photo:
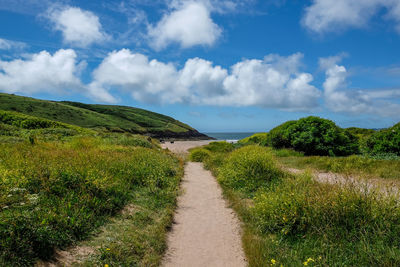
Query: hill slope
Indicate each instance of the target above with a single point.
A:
(101, 117)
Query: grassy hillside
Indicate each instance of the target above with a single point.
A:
(102, 117)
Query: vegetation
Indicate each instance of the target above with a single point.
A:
(355, 165)
(256, 139)
(248, 168)
(385, 141)
(99, 117)
(314, 136)
(293, 220)
(60, 182)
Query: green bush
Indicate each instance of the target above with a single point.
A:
(279, 137)
(199, 154)
(248, 168)
(220, 147)
(314, 136)
(255, 139)
(385, 141)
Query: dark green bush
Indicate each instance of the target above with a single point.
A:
(279, 137)
(385, 141)
(314, 136)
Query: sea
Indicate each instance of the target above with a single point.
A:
(230, 137)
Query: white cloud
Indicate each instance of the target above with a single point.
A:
(9, 45)
(41, 72)
(272, 82)
(340, 99)
(147, 80)
(79, 27)
(334, 15)
(190, 24)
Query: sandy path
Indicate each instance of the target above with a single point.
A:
(206, 232)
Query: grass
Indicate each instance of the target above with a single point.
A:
(100, 117)
(55, 193)
(355, 165)
(294, 221)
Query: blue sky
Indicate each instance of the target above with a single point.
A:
(225, 65)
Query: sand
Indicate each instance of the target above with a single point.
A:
(205, 232)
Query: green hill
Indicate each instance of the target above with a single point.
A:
(101, 117)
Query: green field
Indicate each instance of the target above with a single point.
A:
(99, 117)
(292, 220)
(60, 183)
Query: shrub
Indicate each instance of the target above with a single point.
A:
(314, 136)
(220, 147)
(255, 139)
(385, 141)
(279, 137)
(248, 168)
(199, 154)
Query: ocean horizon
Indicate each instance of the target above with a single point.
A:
(233, 136)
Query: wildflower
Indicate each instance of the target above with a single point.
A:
(106, 265)
(108, 249)
(308, 261)
(273, 262)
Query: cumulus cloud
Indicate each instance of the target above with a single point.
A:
(339, 98)
(41, 72)
(9, 45)
(272, 82)
(189, 24)
(333, 15)
(79, 27)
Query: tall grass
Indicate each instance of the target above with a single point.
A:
(352, 165)
(296, 221)
(53, 194)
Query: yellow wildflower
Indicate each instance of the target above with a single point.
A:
(105, 265)
(108, 249)
(305, 263)
(273, 262)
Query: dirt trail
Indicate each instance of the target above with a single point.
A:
(206, 232)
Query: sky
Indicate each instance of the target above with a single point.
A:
(218, 65)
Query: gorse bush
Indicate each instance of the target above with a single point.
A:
(53, 194)
(314, 136)
(248, 168)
